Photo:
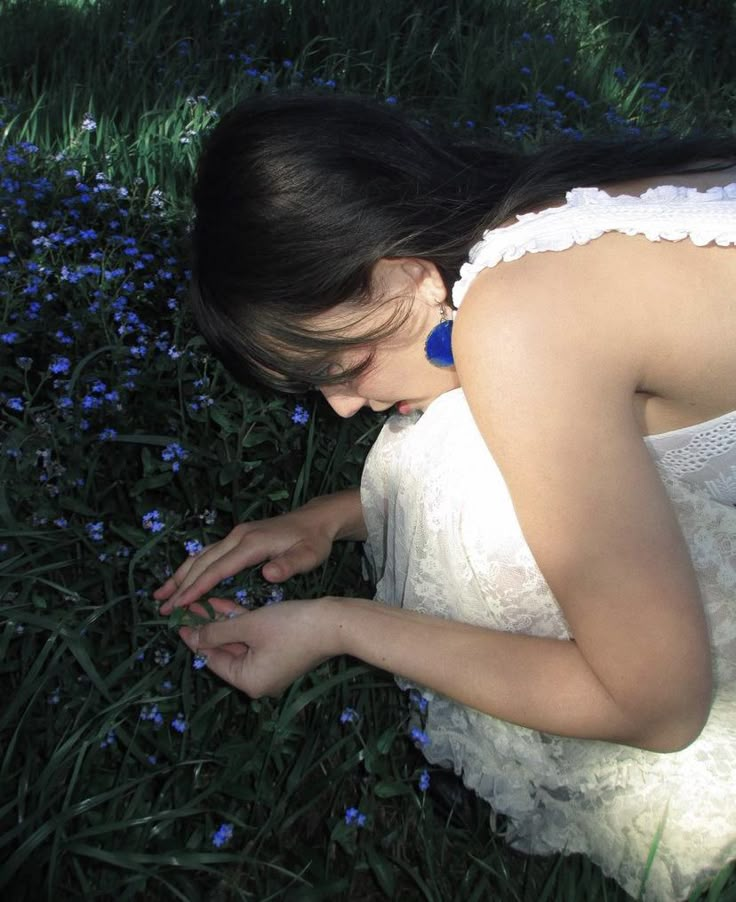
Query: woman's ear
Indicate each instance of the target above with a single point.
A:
(428, 282)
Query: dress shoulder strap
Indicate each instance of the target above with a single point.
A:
(666, 212)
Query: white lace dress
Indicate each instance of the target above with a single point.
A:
(443, 538)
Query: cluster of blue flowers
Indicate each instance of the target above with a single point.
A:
(153, 714)
(174, 453)
(152, 521)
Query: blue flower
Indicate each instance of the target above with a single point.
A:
(9, 338)
(153, 714)
(419, 738)
(300, 415)
(107, 435)
(419, 700)
(179, 724)
(222, 835)
(162, 657)
(15, 404)
(110, 739)
(349, 715)
(354, 816)
(95, 530)
(199, 662)
(193, 547)
(424, 781)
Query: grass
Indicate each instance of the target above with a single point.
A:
(123, 441)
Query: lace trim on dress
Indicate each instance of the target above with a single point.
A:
(703, 455)
(666, 212)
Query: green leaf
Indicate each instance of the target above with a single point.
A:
(39, 602)
(228, 472)
(224, 421)
(151, 482)
(279, 495)
(388, 790)
(383, 870)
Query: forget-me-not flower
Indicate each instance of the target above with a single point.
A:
(222, 835)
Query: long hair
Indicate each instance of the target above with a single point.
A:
(297, 198)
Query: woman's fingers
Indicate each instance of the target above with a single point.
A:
(196, 567)
(300, 558)
(206, 574)
(179, 576)
(173, 582)
(214, 634)
(227, 666)
(225, 609)
(288, 544)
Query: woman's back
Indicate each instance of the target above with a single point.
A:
(676, 298)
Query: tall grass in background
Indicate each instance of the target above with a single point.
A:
(126, 771)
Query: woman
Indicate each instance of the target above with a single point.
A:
(551, 514)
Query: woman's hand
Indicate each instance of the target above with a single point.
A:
(296, 542)
(262, 652)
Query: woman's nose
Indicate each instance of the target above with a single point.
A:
(343, 403)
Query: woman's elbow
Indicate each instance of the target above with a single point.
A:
(678, 731)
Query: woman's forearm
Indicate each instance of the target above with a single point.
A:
(540, 683)
(344, 512)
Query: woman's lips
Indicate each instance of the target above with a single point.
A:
(403, 407)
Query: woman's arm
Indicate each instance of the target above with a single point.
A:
(549, 367)
(543, 684)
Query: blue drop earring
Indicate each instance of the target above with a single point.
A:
(438, 346)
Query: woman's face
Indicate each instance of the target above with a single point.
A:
(399, 373)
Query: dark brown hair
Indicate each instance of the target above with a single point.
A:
(298, 197)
